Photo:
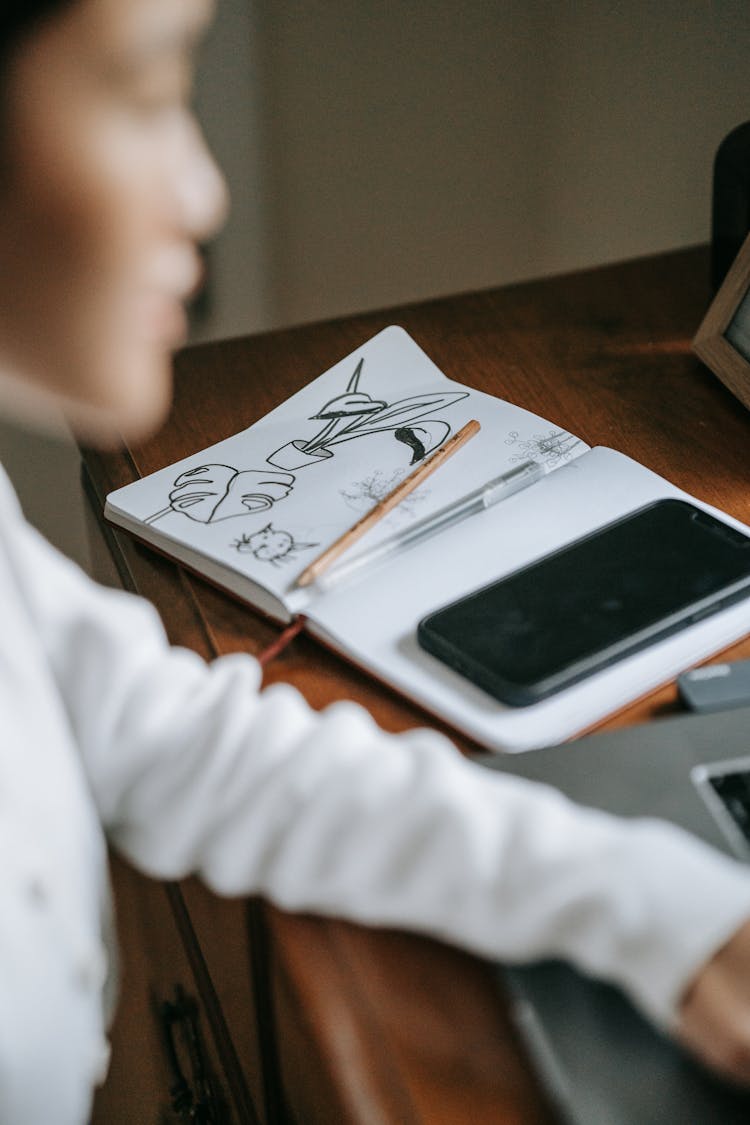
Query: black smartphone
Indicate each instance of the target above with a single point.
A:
(593, 602)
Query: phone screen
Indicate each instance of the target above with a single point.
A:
(592, 602)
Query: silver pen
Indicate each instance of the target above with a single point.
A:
(490, 493)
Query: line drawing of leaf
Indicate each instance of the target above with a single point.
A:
(407, 410)
(215, 492)
(344, 412)
(422, 439)
(204, 485)
(253, 490)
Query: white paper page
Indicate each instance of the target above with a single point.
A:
(265, 502)
(374, 618)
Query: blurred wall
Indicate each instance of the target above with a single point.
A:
(382, 152)
(423, 148)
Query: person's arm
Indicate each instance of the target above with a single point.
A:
(195, 770)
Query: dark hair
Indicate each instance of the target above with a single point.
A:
(18, 18)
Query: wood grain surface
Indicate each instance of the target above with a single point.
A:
(368, 1026)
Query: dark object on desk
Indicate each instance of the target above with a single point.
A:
(730, 217)
(593, 602)
(716, 687)
(601, 1060)
(723, 337)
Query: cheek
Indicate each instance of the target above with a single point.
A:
(92, 230)
(82, 211)
(74, 243)
(58, 235)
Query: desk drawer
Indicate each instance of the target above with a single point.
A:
(168, 996)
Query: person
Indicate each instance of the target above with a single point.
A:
(192, 768)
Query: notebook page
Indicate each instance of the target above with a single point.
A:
(373, 619)
(267, 501)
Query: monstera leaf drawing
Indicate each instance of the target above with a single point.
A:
(219, 492)
(216, 492)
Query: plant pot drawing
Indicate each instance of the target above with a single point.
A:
(296, 455)
(355, 414)
(213, 492)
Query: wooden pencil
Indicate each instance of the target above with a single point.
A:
(388, 503)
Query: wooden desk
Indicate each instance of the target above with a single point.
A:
(359, 1025)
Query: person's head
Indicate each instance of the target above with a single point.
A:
(105, 190)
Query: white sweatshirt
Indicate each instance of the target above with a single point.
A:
(192, 768)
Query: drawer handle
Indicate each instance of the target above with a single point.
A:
(196, 1099)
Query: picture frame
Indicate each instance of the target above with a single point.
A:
(722, 341)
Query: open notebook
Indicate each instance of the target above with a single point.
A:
(251, 512)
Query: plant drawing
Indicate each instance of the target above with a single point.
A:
(554, 448)
(362, 494)
(355, 414)
(218, 492)
(214, 492)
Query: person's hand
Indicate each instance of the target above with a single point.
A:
(715, 1011)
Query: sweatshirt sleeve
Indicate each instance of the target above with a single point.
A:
(195, 769)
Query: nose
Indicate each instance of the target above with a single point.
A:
(201, 192)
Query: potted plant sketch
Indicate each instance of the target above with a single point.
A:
(355, 414)
(213, 492)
